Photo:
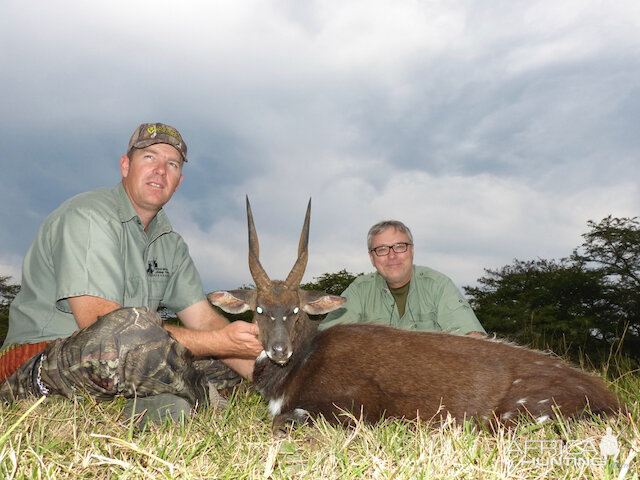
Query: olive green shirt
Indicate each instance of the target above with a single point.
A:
(433, 303)
(95, 244)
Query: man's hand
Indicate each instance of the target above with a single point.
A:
(476, 334)
(242, 339)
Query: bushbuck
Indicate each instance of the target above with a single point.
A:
(372, 371)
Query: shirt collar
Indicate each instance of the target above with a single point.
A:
(159, 224)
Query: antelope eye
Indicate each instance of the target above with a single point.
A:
(296, 310)
(259, 310)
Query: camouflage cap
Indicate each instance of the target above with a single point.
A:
(152, 133)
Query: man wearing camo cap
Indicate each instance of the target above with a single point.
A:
(99, 268)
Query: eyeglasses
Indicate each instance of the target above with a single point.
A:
(384, 250)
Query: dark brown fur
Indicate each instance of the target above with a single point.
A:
(380, 372)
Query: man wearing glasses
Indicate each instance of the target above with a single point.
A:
(401, 294)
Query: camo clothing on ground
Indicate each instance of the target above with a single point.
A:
(217, 373)
(127, 353)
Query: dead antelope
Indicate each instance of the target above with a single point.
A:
(376, 371)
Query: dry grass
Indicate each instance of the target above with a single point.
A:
(61, 439)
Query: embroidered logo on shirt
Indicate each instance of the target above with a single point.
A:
(153, 270)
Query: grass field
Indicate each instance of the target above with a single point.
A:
(57, 438)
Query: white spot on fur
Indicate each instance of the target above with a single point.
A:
(544, 401)
(522, 401)
(542, 419)
(300, 413)
(506, 416)
(275, 406)
(517, 380)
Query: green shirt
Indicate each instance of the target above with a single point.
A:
(95, 244)
(433, 303)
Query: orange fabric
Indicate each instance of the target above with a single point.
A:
(12, 357)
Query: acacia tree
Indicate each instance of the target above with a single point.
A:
(613, 246)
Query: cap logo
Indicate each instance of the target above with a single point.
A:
(156, 129)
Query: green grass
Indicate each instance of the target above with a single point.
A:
(58, 438)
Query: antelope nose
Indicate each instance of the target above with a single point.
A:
(279, 352)
(279, 348)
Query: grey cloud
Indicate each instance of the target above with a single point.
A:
(495, 130)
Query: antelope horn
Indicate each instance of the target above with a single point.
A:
(257, 272)
(295, 276)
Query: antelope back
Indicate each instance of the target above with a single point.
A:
(280, 307)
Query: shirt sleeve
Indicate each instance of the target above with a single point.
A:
(349, 312)
(86, 258)
(455, 315)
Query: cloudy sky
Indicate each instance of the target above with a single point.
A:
(495, 130)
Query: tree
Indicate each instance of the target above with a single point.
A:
(612, 247)
(331, 283)
(7, 294)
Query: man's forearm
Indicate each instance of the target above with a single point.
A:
(242, 366)
(213, 344)
(200, 343)
(87, 309)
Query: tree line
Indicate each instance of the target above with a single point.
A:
(586, 305)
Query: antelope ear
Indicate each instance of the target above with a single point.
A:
(235, 301)
(317, 303)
